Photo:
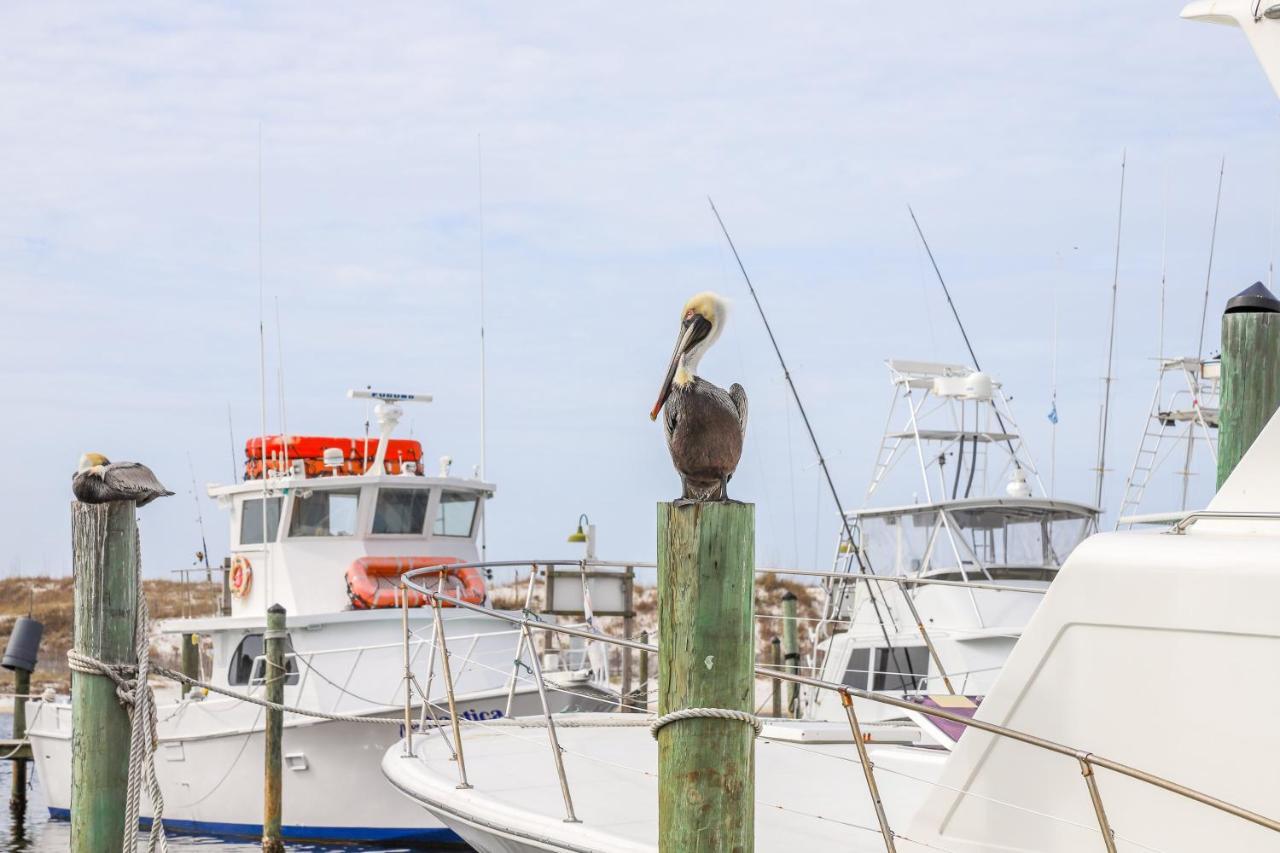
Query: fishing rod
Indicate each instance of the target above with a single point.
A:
(972, 355)
(1213, 239)
(204, 544)
(863, 568)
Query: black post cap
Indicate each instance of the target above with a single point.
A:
(1254, 299)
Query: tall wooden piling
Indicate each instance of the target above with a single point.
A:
(776, 645)
(190, 659)
(18, 795)
(274, 734)
(1250, 373)
(791, 649)
(104, 550)
(706, 767)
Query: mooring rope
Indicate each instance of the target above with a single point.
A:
(706, 713)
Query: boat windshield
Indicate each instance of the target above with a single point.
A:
(324, 512)
(457, 513)
(938, 538)
(251, 520)
(400, 512)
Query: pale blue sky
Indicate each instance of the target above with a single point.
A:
(128, 253)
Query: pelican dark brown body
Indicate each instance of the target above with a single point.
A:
(705, 424)
(99, 480)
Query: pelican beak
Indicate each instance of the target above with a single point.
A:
(693, 329)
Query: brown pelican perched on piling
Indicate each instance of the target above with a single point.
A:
(98, 480)
(705, 424)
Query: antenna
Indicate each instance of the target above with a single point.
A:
(262, 371)
(284, 424)
(484, 526)
(1111, 347)
(1053, 396)
(1208, 275)
(1164, 246)
(231, 436)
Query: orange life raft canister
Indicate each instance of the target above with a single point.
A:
(374, 582)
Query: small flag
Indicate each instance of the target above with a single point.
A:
(1053, 413)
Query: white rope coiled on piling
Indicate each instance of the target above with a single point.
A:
(705, 714)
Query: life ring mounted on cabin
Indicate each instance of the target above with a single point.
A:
(241, 576)
(374, 582)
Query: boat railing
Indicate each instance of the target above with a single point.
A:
(1087, 761)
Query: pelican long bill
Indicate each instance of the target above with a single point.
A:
(694, 328)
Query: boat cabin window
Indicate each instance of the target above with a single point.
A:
(855, 673)
(901, 668)
(401, 511)
(324, 512)
(457, 513)
(251, 520)
(248, 662)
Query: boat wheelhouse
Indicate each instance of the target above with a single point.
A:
(325, 527)
(969, 562)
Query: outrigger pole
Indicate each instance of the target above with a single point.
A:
(822, 462)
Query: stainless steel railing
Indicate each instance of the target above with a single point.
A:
(1087, 761)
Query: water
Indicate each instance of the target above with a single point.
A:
(38, 834)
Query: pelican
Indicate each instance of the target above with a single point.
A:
(705, 424)
(98, 480)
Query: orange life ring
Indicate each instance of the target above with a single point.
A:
(241, 575)
(374, 582)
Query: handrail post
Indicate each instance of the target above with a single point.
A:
(868, 770)
(1104, 825)
(706, 767)
(273, 731)
(408, 672)
(453, 705)
(556, 752)
(515, 665)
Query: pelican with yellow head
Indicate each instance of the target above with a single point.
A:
(99, 480)
(705, 424)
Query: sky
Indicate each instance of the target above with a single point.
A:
(583, 140)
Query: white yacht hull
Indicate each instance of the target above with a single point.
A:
(212, 784)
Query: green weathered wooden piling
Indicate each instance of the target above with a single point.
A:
(104, 552)
(1250, 373)
(18, 796)
(706, 767)
(776, 643)
(190, 659)
(791, 648)
(274, 734)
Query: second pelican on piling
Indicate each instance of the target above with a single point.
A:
(705, 424)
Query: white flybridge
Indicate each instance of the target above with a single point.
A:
(1181, 428)
(1090, 737)
(344, 518)
(984, 519)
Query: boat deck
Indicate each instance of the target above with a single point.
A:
(810, 791)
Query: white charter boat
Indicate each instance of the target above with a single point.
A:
(344, 517)
(985, 520)
(1096, 688)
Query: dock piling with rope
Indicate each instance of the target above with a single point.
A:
(104, 545)
(706, 677)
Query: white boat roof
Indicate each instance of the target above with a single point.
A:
(291, 481)
(1013, 505)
